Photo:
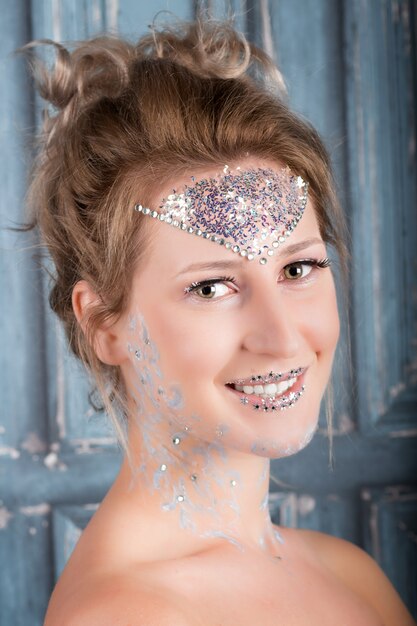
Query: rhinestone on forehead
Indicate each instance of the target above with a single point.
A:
(250, 213)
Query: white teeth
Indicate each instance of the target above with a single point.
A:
(283, 386)
(245, 389)
(268, 390)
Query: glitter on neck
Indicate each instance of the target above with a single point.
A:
(250, 213)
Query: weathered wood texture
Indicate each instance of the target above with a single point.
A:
(350, 68)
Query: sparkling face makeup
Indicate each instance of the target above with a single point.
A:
(182, 471)
(271, 392)
(219, 347)
(250, 213)
(193, 480)
(233, 302)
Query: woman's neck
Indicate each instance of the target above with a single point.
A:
(194, 493)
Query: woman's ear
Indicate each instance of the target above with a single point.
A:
(107, 342)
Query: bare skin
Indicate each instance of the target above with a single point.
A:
(184, 536)
(319, 580)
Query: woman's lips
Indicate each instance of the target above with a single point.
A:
(271, 377)
(279, 401)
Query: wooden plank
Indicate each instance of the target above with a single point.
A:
(72, 20)
(390, 531)
(68, 522)
(71, 414)
(332, 513)
(26, 578)
(22, 380)
(56, 478)
(381, 113)
(135, 17)
(375, 460)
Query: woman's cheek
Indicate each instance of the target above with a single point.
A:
(324, 319)
(194, 347)
(318, 317)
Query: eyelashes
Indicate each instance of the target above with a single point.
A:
(208, 291)
(209, 282)
(297, 265)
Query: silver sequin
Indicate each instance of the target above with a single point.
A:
(251, 213)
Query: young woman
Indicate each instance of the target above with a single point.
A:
(190, 215)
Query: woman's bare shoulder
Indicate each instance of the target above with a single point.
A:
(117, 600)
(360, 573)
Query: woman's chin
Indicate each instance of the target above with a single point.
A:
(276, 447)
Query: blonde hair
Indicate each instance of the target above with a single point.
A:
(128, 115)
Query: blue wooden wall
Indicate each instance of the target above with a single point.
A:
(350, 68)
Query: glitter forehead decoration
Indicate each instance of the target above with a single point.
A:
(250, 212)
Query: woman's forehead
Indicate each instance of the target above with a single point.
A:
(173, 251)
(251, 211)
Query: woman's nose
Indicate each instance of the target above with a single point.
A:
(272, 328)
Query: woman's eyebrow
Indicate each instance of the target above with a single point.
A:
(212, 265)
(233, 264)
(297, 247)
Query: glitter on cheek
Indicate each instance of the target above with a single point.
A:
(149, 378)
(173, 398)
(132, 323)
(169, 443)
(221, 430)
(159, 475)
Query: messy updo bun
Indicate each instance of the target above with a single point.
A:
(127, 117)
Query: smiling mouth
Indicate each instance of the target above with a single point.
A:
(270, 396)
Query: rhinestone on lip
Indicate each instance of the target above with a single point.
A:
(283, 402)
(268, 378)
(279, 200)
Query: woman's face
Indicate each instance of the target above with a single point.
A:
(247, 321)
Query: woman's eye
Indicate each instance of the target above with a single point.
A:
(211, 289)
(210, 292)
(301, 269)
(297, 270)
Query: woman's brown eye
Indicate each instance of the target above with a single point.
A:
(207, 291)
(212, 292)
(295, 270)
